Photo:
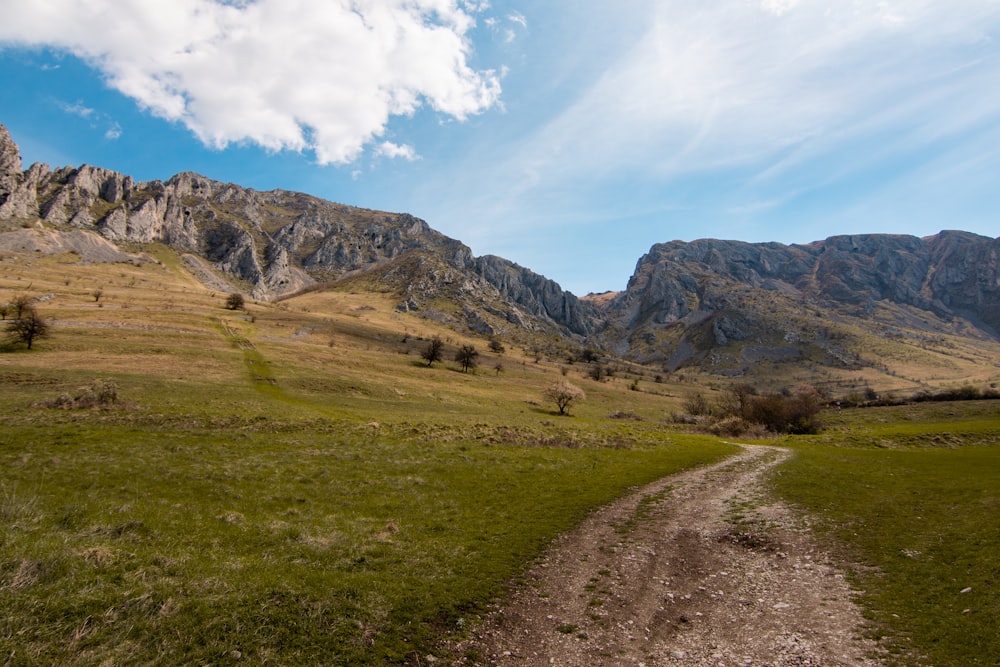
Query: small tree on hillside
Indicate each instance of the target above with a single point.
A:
(433, 351)
(235, 301)
(466, 356)
(496, 347)
(4, 308)
(563, 393)
(28, 327)
(597, 372)
(20, 304)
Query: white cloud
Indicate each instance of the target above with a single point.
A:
(114, 132)
(778, 7)
(321, 75)
(393, 151)
(77, 109)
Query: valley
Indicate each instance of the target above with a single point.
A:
(290, 481)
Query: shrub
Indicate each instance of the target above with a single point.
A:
(28, 326)
(466, 357)
(235, 301)
(696, 404)
(433, 351)
(796, 414)
(730, 426)
(563, 393)
(791, 412)
(99, 394)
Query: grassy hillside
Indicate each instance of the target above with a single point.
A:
(290, 484)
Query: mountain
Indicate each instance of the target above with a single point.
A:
(273, 244)
(729, 306)
(873, 308)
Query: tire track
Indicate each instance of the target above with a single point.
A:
(694, 569)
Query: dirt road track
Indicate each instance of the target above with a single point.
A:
(692, 570)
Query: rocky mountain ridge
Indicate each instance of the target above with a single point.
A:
(271, 244)
(688, 302)
(726, 307)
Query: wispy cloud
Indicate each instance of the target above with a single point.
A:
(393, 151)
(77, 109)
(286, 74)
(717, 85)
(112, 131)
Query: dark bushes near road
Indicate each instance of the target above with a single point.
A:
(871, 399)
(742, 411)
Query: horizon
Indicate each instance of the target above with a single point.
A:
(595, 131)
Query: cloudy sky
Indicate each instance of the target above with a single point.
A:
(565, 135)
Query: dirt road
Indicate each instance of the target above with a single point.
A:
(692, 570)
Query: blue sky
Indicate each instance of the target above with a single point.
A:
(568, 136)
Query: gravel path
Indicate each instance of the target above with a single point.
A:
(691, 570)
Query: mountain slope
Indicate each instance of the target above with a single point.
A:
(866, 309)
(729, 306)
(269, 244)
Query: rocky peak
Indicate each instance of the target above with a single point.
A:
(273, 243)
(17, 199)
(10, 165)
(723, 288)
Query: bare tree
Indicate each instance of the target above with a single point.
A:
(97, 294)
(433, 351)
(234, 301)
(597, 372)
(21, 303)
(563, 393)
(466, 356)
(496, 347)
(28, 327)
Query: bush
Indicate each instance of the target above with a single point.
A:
(696, 404)
(235, 301)
(796, 414)
(730, 426)
(99, 394)
(741, 409)
(563, 393)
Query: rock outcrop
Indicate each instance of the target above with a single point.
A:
(685, 303)
(269, 244)
(730, 286)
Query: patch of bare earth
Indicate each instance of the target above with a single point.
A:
(695, 569)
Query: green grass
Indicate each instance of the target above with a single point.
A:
(291, 485)
(922, 522)
(321, 542)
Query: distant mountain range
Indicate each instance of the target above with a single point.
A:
(722, 306)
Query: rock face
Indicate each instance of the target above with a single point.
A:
(730, 287)
(269, 243)
(724, 303)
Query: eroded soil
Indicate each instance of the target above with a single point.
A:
(693, 570)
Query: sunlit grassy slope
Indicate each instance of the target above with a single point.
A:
(290, 484)
(293, 485)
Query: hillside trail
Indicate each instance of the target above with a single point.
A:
(696, 569)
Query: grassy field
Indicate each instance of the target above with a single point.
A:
(291, 484)
(285, 485)
(912, 495)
